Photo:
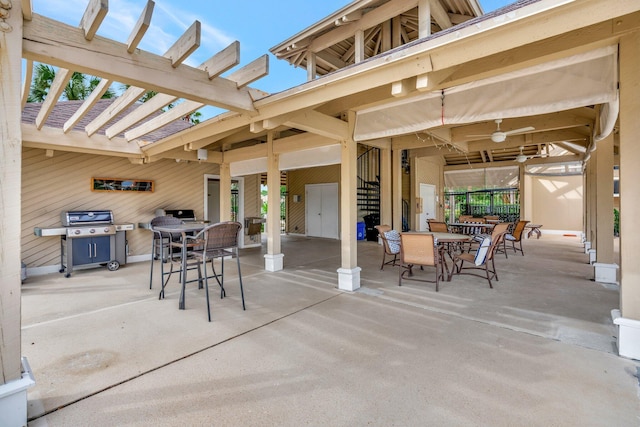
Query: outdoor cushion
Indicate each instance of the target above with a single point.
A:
(509, 237)
(481, 253)
(393, 239)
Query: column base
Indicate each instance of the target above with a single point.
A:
(628, 332)
(587, 246)
(274, 262)
(592, 256)
(13, 398)
(349, 279)
(605, 273)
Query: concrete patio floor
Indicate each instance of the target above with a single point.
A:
(538, 349)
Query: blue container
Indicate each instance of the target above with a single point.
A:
(360, 230)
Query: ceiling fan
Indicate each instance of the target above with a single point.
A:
(521, 158)
(500, 136)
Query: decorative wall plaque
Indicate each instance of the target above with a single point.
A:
(124, 185)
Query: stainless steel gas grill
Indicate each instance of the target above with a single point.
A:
(186, 215)
(89, 239)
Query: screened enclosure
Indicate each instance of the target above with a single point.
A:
(480, 192)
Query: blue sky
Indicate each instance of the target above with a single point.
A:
(257, 24)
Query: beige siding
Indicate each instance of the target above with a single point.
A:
(426, 170)
(429, 171)
(51, 185)
(252, 202)
(296, 180)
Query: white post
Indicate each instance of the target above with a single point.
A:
(14, 378)
(273, 260)
(349, 273)
(629, 320)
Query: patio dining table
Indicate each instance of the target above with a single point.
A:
(183, 229)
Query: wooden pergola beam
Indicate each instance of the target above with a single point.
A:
(58, 44)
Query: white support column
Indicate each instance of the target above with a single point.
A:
(585, 204)
(225, 192)
(523, 192)
(359, 46)
(604, 266)
(273, 259)
(414, 194)
(593, 200)
(589, 213)
(386, 198)
(13, 382)
(311, 66)
(349, 272)
(424, 18)
(628, 319)
(386, 36)
(396, 32)
(396, 182)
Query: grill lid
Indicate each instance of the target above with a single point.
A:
(188, 214)
(69, 218)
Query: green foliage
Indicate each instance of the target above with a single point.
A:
(43, 76)
(79, 86)
(616, 222)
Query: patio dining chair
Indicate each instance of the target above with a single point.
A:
(438, 226)
(161, 247)
(417, 249)
(516, 237)
(471, 227)
(218, 241)
(390, 243)
(481, 260)
(500, 228)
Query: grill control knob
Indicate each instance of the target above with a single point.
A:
(92, 231)
(76, 231)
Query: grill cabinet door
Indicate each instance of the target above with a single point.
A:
(82, 251)
(101, 248)
(88, 250)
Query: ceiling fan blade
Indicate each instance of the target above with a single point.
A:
(521, 130)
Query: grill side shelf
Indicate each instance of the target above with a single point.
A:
(45, 232)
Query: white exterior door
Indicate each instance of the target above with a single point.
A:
(213, 201)
(322, 210)
(428, 196)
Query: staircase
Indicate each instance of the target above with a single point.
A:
(369, 186)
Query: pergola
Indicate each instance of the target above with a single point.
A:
(329, 111)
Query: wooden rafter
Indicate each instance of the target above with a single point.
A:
(55, 43)
(93, 16)
(216, 65)
(132, 43)
(57, 87)
(26, 88)
(178, 52)
(141, 27)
